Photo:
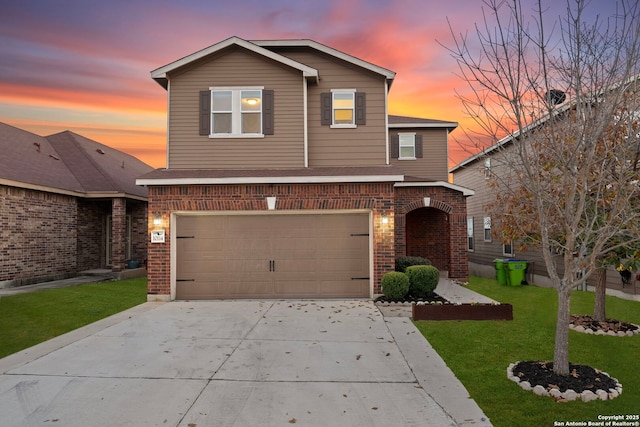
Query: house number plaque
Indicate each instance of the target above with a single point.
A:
(157, 236)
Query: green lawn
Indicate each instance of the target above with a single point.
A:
(31, 318)
(478, 352)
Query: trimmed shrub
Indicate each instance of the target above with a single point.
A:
(423, 280)
(395, 285)
(407, 261)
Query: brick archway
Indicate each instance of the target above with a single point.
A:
(431, 221)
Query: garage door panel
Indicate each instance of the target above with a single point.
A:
(267, 256)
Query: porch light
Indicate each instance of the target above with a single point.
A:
(157, 219)
(252, 101)
(385, 219)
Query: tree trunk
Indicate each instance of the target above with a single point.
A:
(601, 291)
(561, 349)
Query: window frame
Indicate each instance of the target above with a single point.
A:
(412, 145)
(486, 224)
(237, 112)
(504, 248)
(470, 236)
(352, 93)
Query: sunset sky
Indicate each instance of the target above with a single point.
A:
(85, 66)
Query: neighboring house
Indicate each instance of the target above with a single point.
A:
(67, 204)
(483, 248)
(286, 177)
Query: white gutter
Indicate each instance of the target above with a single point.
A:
(386, 121)
(272, 180)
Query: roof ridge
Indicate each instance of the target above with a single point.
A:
(72, 137)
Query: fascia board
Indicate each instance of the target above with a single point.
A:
(447, 125)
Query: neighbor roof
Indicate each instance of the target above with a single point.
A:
(68, 163)
(261, 47)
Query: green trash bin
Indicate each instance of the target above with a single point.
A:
(516, 271)
(501, 274)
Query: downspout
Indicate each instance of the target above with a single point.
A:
(386, 119)
(168, 112)
(305, 125)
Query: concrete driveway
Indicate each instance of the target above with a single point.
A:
(236, 363)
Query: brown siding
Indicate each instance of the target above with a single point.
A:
(433, 164)
(362, 146)
(236, 67)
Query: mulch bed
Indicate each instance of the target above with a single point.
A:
(409, 299)
(607, 325)
(580, 378)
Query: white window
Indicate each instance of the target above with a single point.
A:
(487, 228)
(343, 103)
(236, 112)
(487, 169)
(470, 233)
(407, 146)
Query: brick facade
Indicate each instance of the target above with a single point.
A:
(376, 197)
(46, 236)
(437, 232)
(38, 236)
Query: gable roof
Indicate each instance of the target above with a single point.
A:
(68, 163)
(261, 47)
(160, 74)
(388, 74)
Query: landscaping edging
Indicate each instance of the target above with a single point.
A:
(569, 395)
(459, 311)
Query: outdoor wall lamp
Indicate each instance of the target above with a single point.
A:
(385, 219)
(157, 219)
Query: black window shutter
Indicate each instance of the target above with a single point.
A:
(418, 146)
(361, 110)
(395, 146)
(325, 109)
(205, 112)
(267, 112)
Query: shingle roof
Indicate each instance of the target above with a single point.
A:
(405, 121)
(69, 162)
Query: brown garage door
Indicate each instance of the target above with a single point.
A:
(272, 256)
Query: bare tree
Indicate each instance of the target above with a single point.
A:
(559, 96)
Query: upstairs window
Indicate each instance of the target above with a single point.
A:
(343, 108)
(236, 112)
(406, 146)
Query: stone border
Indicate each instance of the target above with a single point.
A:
(590, 331)
(585, 396)
(460, 311)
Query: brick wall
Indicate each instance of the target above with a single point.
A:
(38, 236)
(378, 198)
(91, 233)
(443, 239)
(139, 230)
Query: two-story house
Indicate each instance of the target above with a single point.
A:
(287, 177)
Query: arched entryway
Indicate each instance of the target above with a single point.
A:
(428, 235)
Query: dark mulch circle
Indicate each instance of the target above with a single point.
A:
(580, 377)
(410, 298)
(588, 322)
